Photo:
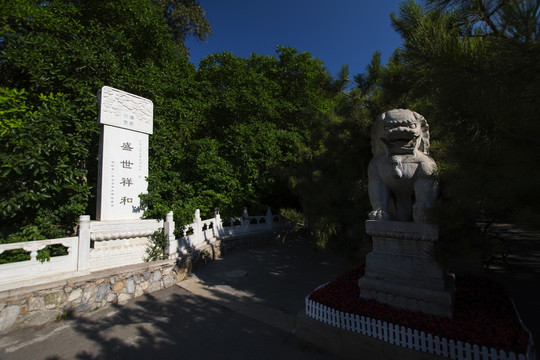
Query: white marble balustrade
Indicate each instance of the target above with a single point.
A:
(104, 245)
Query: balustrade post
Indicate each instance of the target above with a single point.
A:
(245, 218)
(218, 226)
(83, 258)
(269, 218)
(168, 230)
(197, 231)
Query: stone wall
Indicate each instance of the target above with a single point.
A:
(40, 304)
(37, 305)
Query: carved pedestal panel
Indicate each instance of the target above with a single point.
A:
(400, 271)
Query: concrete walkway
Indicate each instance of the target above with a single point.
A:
(247, 305)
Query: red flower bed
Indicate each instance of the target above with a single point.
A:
(483, 312)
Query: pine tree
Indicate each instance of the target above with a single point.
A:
(475, 65)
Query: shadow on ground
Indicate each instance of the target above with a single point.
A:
(174, 324)
(180, 325)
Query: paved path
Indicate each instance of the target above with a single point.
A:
(243, 306)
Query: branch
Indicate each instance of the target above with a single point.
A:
(346, 94)
(487, 17)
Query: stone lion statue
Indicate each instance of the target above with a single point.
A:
(402, 176)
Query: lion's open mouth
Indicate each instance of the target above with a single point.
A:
(401, 145)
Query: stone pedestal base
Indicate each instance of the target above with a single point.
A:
(400, 271)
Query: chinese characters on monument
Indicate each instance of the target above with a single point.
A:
(127, 122)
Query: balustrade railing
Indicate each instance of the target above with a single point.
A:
(31, 268)
(107, 244)
(199, 231)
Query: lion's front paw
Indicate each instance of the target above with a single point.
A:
(422, 215)
(379, 215)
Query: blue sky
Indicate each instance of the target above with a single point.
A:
(338, 31)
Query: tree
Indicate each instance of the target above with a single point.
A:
(331, 180)
(54, 57)
(39, 149)
(185, 18)
(474, 64)
(260, 111)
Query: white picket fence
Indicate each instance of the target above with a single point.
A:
(410, 338)
(102, 245)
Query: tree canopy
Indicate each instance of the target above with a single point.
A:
(223, 134)
(264, 130)
(54, 57)
(254, 125)
(471, 68)
(185, 18)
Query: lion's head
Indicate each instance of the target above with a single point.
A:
(400, 132)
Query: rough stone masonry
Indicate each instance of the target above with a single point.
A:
(37, 306)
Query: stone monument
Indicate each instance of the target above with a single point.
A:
(402, 189)
(119, 235)
(123, 163)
